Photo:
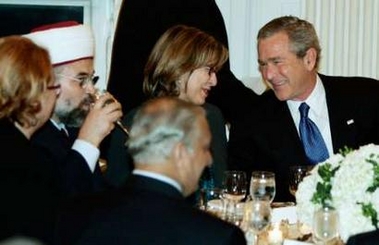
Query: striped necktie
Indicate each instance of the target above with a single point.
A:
(313, 143)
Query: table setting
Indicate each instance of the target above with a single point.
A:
(262, 220)
(335, 199)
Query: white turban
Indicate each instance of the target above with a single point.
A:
(66, 41)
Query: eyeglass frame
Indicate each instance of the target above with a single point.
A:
(86, 79)
(210, 71)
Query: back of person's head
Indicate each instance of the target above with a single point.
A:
(170, 136)
(301, 34)
(160, 124)
(179, 51)
(25, 72)
(66, 41)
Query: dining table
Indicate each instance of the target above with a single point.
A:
(284, 228)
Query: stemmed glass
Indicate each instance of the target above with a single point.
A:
(296, 175)
(234, 191)
(257, 218)
(325, 225)
(262, 185)
(100, 92)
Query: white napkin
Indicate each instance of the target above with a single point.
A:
(284, 213)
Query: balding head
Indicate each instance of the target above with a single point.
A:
(171, 137)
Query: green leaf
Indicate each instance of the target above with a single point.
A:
(375, 168)
(323, 194)
(369, 211)
(345, 150)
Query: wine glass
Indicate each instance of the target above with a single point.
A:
(262, 185)
(257, 218)
(100, 92)
(234, 190)
(325, 225)
(296, 175)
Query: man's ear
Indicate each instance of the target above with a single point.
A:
(180, 153)
(310, 59)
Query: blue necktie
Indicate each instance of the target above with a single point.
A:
(314, 145)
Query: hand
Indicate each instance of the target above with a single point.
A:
(101, 119)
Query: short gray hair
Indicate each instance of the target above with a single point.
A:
(159, 125)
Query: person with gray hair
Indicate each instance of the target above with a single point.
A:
(345, 110)
(170, 144)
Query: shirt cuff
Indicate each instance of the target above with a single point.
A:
(88, 151)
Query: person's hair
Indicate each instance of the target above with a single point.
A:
(160, 124)
(25, 72)
(179, 50)
(301, 34)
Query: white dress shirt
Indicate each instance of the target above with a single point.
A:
(318, 113)
(159, 177)
(89, 152)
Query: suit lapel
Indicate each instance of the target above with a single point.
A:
(284, 140)
(275, 136)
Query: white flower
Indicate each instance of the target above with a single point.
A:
(353, 177)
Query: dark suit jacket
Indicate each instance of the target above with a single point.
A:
(367, 238)
(120, 163)
(146, 211)
(141, 23)
(69, 167)
(268, 139)
(28, 198)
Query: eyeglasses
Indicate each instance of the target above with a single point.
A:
(208, 69)
(56, 87)
(82, 80)
(211, 70)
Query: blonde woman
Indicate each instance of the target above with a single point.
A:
(183, 63)
(27, 96)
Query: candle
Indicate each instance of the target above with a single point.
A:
(275, 236)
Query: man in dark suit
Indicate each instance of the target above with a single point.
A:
(345, 109)
(169, 142)
(367, 238)
(141, 23)
(73, 154)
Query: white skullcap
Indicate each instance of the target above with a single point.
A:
(66, 41)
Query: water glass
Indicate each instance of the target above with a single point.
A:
(262, 185)
(257, 218)
(325, 225)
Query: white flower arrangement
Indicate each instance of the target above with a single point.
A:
(349, 182)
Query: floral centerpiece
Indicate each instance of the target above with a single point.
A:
(349, 182)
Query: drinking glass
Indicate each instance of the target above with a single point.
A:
(262, 185)
(325, 225)
(100, 92)
(212, 201)
(296, 175)
(257, 218)
(234, 191)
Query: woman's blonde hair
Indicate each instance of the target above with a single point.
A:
(25, 72)
(179, 50)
